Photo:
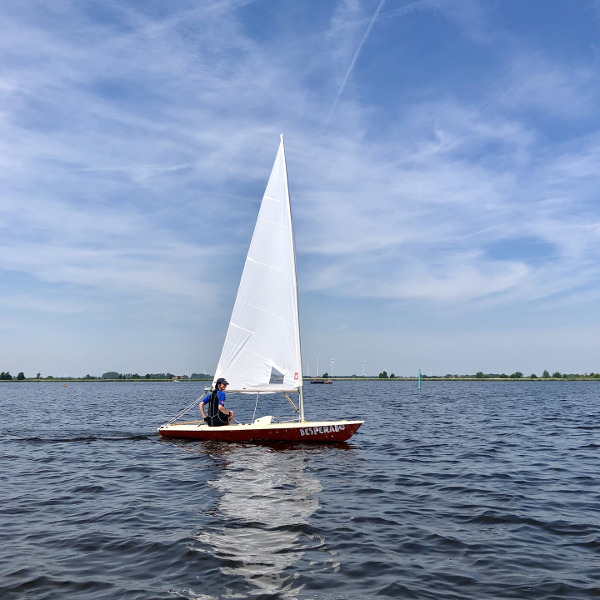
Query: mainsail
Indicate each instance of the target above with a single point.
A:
(261, 352)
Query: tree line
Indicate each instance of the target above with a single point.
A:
(116, 375)
(112, 375)
(6, 376)
(516, 375)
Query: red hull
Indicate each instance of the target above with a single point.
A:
(329, 431)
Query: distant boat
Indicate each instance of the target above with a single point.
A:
(321, 381)
(261, 353)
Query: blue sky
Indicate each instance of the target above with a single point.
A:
(443, 161)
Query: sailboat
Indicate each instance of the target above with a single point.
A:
(261, 353)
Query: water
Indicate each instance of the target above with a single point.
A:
(460, 491)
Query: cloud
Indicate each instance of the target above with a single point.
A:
(355, 57)
(557, 89)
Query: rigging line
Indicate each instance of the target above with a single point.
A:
(185, 410)
(373, 19)
(255, 407)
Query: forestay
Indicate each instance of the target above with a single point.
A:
(261, 352)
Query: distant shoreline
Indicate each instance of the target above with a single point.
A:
(424, 380)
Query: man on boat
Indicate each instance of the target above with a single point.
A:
(217, 415)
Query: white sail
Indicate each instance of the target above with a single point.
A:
(261, 352)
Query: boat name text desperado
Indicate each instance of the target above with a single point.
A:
(326, 429)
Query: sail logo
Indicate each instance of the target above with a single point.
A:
(318, 430)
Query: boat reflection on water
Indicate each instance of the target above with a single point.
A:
(258, 528)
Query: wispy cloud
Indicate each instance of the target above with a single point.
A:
(355, 57)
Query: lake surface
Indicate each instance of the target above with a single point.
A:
(463, 490)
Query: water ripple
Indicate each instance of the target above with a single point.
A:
(466, 491)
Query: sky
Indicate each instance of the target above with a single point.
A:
(443, 161)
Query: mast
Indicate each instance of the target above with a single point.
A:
(293, 242)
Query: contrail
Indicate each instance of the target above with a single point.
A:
(373, 19)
